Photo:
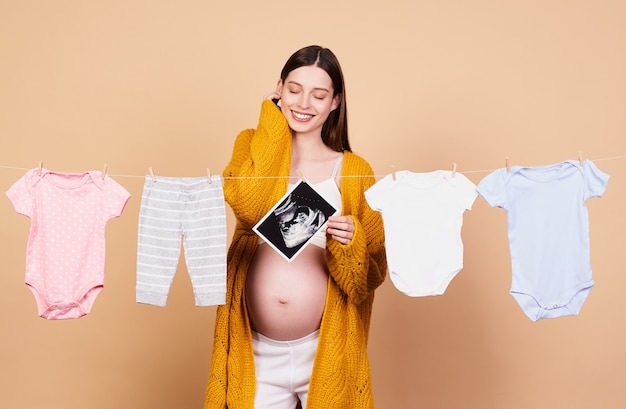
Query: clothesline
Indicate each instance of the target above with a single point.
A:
(286, 177)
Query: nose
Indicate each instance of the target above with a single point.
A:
(304, 101)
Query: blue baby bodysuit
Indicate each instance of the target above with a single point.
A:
(548, 231)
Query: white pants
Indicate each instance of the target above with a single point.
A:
(283, 370)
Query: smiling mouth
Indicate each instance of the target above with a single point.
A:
(301, 117)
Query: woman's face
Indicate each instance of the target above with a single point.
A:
(307, 98)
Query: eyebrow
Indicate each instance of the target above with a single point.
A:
(315, 89)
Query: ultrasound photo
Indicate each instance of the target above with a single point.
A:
(290, 224)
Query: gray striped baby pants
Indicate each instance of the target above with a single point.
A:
(190, 210)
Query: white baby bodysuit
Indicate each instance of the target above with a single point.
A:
(423, 215)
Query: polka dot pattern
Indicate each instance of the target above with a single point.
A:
(65, 254)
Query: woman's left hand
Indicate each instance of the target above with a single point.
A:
(341, 228)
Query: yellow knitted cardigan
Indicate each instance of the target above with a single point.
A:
(341, 370)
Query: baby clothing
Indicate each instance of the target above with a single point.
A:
(423, 215)
(65, 253)
(548, 231)
(190, 210)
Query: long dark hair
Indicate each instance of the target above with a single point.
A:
(335, 129)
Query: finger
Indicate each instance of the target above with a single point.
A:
(272, 95)
(341, 220)
(341, 236)
(344, 240)
(340, 232)
(346, 226)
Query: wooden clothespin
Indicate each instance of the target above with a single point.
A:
(208, 175)
(393, 173)
(580, 158)
(300, 175)
(104, 171)
(453, 169)
(508, 164)
(152, 174)
(40, 167)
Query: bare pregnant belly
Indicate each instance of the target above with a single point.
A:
(286, 300)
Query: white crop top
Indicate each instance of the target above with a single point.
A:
(330, 192)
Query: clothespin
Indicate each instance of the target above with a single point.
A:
(152, 174)
(300, 175)
(393, 173)
(508, 165)
(208, 174)
(580, 158)
(104, 172)
(453, 169)
(40, 167)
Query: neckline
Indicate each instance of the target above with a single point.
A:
(332, 176)
(538, 173)
(63, 180)
(422, 180)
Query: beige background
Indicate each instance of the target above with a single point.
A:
(168, 84)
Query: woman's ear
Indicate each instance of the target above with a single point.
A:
(336, 102)
(279, 86)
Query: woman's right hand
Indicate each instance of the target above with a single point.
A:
(272, 95)
(275, 95)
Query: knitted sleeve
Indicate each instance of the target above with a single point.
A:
(258, 156)
(360, 266)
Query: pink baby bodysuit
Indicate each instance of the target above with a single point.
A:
(66, 245)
